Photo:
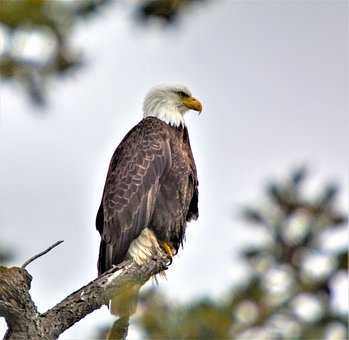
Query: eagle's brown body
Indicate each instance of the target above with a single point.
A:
(151, 183)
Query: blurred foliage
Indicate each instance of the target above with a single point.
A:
(35, 36)
(289, 292)
(5, 255)
(166, 10)
(34, 42)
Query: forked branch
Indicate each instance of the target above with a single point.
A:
(25, 322)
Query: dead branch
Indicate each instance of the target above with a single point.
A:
(25, 322)
(33, 258)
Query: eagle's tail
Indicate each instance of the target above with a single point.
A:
(125, 303)
(140, 251)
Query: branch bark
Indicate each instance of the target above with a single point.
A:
(25, 322)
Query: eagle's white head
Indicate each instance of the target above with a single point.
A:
(169, 103)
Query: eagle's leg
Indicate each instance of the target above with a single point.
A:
(146, 245)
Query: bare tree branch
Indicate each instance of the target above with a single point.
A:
(25, 322)
(33, 258)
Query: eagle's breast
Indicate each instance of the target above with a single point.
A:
(176, 191)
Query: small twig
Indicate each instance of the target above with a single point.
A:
(33, 258)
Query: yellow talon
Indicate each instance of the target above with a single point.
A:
(168, 249)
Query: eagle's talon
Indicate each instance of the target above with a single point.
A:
(167, 247)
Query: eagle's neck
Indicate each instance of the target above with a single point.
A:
(167, 111)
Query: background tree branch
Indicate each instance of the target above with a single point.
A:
(25, 322)
(53, 24)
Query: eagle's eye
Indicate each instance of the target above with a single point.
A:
(182, 94)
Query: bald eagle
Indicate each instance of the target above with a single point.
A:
(151, 189)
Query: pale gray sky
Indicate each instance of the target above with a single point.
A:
(273, 77)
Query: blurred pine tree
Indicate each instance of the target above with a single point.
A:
(290, 291)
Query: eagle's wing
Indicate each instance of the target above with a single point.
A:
(131, 188)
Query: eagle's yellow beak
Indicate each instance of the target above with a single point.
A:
(192, 104)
